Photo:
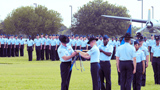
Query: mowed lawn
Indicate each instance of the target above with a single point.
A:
(17, 73)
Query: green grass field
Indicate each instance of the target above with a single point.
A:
(17, 73)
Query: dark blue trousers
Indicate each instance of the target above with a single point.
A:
(144, 77)
(65, 75)
(2, 50)
(47, 52)
(17, 51)
(137, 78)
(53, 53)
(126, 72)
(9, 51)
(57, 57)
(119, 77)
(30, 50)
(12, 51)
(42, 53)
(95, 68)
(5, 51)
(83, 48)
(73, 47)
(22, 50)
(105, 72)
(38, 52)
(156, 69)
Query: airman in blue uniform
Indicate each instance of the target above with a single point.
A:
(21, 46)
(42, 47)
(50, 38)
(73, 42)
(12, 45)
(140, 67)
(126, 62)
(2, 44)
(78, 43)
(106, 51)
(38, 46)
(9, 46)
(94, 54)
(17, 46)
(30, 46)
(53, 45)
(146, 56)
(65, 53)
(5, 45)
(46, 47)
(58, 44)
(155, 60)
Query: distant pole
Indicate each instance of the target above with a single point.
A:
(141, 13)
(35, 4)
(71, 14)
(152, 12)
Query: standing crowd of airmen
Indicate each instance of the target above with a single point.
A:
(11, 46)
(132, 60)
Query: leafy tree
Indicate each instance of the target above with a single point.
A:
(88, 19)
(31, 21)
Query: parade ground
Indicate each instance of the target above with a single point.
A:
(17, 73)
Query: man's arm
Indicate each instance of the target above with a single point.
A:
(117, 62)
(69, 57)
(147, 60)
(134, 64)
(106, 53)
(143, 64)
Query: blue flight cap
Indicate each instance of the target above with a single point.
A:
(21, 36)
(53, 35)
(41, 33)
(72, 35)
(151, 35)
(136, 42)
(50, 34)
(15, 35)
(46, 35)
(37, 35)
(29, 36)
(145, 38)
(57, 35)
(105, 37)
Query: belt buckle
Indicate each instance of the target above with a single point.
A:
(157, 57)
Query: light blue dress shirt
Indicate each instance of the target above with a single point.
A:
(145, 51)
(47, 41)
(70, 42)
(94, 53)
(139, 56)
(3, 41)
(30, 43)
(73, 42)
(84, 43)
(9, 41)
(53, 42)
(112, 43)
(126, 52)
(58, 41)
(37, 42)
(146, 44)
(42, 40)
(21, 41)
(17, 41)
(117, 44)
(156, 51)
(151, 43)
(13, 41)
(78, 42)
(65, 51)
(107, 48)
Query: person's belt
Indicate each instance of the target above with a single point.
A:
(103, 61)
(156, 57)
(125, 60)
(53, 45)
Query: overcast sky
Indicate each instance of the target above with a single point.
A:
(62, 6)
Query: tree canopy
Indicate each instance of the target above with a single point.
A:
(88, 19)
(31, 21)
